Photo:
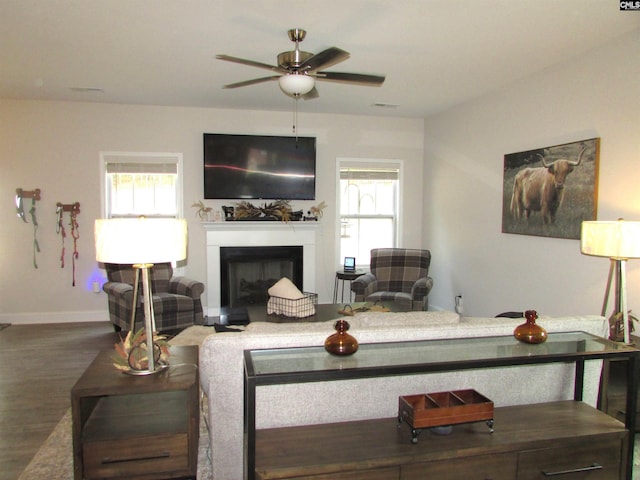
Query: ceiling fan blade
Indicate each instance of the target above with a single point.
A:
(311, 94)
(324, 59)
(252, 82)
(370, 80)
(250, 63)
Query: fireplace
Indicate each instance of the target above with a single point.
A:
(246, 273)
(221, 235)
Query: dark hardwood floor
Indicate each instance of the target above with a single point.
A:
(38, 366)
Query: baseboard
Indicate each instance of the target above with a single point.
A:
(54, 317)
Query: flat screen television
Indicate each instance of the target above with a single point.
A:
(259, 167)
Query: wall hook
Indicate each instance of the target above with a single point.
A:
(21, 194)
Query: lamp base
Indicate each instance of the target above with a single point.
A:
(132, 358)
(159, 367)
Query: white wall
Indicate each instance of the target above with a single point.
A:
(596, 95)
(55, 146)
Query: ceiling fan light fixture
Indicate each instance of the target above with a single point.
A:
(296, 84)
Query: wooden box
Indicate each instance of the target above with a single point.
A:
(444, 408)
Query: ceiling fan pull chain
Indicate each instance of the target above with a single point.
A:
(295, 115)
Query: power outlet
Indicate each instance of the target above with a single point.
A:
(458, 302)
(96, 286)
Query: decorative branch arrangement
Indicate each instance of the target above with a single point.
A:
(74, 210)
(318, 210)
(203, 210)
(34, 195)
(277, 210)
(132, 351)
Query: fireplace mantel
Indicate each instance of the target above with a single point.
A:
(256, 234)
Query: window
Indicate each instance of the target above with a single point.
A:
(142, 184)
(368, 207)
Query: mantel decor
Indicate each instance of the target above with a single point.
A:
(276, 211)
(203, 211)
(550, 191)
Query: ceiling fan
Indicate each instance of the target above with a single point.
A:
(297, 71)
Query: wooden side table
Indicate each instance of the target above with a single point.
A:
(344, 277)
(137, 426)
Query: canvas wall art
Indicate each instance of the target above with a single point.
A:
(550, 191)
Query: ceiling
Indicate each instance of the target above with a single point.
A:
(435, 53)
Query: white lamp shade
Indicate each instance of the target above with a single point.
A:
(140, 240)
(296, 83)
(615, 239)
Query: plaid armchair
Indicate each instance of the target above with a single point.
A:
(176, 300)
(397, 274)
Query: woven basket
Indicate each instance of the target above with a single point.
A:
(300, 308)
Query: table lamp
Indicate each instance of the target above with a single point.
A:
(142, 242)
(619, 241)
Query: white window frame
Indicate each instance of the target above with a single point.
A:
(363, 163)
(141, 157)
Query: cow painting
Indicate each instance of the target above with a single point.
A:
(550, 191)
(541, 189)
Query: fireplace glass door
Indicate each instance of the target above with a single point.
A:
(248, 272)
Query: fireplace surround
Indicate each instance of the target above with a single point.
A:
(257, 234)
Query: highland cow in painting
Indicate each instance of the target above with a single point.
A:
(550, 191)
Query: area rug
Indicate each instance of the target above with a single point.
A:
(192, 336)
(54, 460)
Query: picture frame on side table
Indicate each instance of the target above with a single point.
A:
(349, 264)
(550, 191)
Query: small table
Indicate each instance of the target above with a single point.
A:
(344, 277)
(128, 426)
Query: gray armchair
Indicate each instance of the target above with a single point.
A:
(176, 300)
(397, 274)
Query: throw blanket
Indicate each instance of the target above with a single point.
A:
(285, 299)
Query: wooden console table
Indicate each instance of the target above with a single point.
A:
(586, 432)
(137, 426)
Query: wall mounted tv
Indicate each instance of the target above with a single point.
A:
(259, 167)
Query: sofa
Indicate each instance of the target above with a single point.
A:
(221, 375)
